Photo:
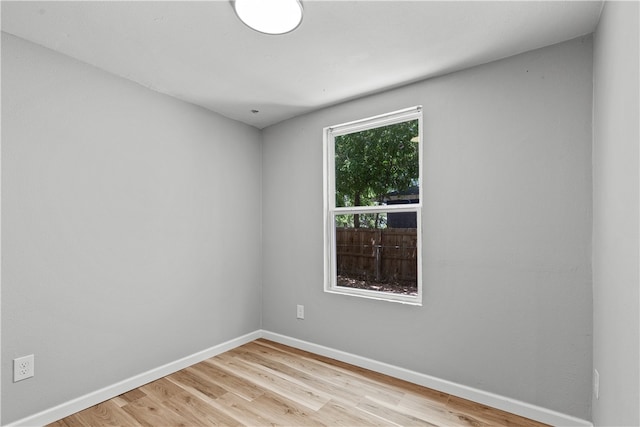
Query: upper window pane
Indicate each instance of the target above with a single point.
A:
(378, 166)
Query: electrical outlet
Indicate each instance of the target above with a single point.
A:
(596, 384)
(23, 368)
(300, 312)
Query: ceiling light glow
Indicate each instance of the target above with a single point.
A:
(270, 16)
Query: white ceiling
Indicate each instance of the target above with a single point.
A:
(198, 51)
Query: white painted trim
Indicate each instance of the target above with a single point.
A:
(483, 397)
(71, 407)
(380, 120)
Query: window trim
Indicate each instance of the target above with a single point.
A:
(330, 210)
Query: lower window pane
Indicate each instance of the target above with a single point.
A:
(377, 252)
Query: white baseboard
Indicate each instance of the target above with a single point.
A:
(513, 406)
(490, 399)
(83, 402)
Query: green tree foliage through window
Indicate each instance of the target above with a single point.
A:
(372, 163)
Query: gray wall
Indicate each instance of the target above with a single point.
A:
(616, 317)
(507, 232)
(130, 223)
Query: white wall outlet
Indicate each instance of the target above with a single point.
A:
(300, 312)
(596, 384)
(23, 368)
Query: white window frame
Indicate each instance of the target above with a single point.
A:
(330, 209)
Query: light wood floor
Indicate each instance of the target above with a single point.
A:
(263, 383)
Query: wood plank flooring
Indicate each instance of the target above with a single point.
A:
(263, 383)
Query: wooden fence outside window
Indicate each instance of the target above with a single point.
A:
(384, 255)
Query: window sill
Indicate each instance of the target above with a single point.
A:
(377, 295)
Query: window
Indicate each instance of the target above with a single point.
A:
(372, 201)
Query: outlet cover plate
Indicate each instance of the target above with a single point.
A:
(23, 368)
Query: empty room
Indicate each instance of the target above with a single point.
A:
(287, 212)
